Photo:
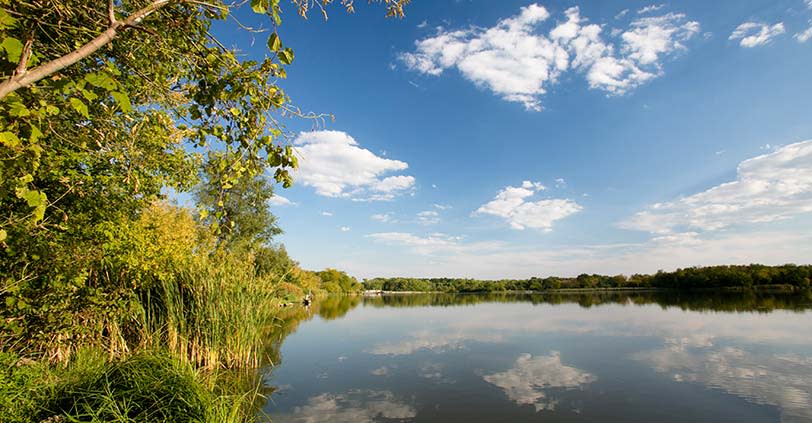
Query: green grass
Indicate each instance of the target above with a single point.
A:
(144, 387)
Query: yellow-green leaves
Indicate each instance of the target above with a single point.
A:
(123, 101)
(35, 199)
(285, 56)
(6, 20)
(274, 43)
(101, 80)
(259, 6)
(9, 139)
(13, 48)
(79, 106)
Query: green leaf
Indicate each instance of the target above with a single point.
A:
(35, 134)
(89, 95)
(101, 80)
(274, 43)
(285, 56)
(79, 106)
(276, 12)
(18, 109)
(3, 235)
(13, 48)
(6, 20)
(9, 139)
(259, 6)
(35, 199)
(123, 100)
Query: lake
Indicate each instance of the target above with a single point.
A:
(567, 358)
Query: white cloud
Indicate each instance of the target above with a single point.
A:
(517, 62)
(382, 217)
(496, 260)
(622, 13)
(560, 183)
(345, 229)
(767, 188)
(753, 34)
(650, 8)
(428, 217)
(805, 35)
(356, 406)
(436, 244)
(326, 213)
(278, 200)
(530, 379)
(511, 204)
(335, 165)
(441, 206)
(423, 24)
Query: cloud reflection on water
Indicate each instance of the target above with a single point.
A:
(355, 406)
(531, 379)
(782, 380)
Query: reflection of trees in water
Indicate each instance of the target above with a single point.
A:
(694, 301)
(287, 320)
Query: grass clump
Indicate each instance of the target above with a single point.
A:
(144, 387)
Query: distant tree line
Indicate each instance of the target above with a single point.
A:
(788, 276)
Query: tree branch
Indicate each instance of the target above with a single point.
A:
(25, 79)
(22, 66)
(111, 12)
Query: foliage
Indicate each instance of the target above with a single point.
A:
(336, 281)
(712, 277)
(238, 211)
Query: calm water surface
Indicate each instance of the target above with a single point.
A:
(619, 358)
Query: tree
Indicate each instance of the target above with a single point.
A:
(239, 210)
(104, 105)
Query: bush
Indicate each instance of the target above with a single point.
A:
(143, 388)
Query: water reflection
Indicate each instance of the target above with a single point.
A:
(783, 380)
(358, 406)
(531, 379)
(592, 358)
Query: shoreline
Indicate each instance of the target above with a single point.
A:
(759, 288)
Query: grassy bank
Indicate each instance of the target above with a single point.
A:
(169, 323)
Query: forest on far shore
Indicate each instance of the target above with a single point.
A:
(788, 276)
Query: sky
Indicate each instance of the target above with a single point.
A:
(509, 139)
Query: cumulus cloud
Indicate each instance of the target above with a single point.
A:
(517, 61)
(767, 188)
(345, 229)
(530, 379)
(513, 205)
(753, 34)
(278, 200)
(335, 165)
(357, 406)
(326, 213)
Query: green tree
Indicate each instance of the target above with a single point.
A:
(239, 212)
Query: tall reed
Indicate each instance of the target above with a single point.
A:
(216, 313)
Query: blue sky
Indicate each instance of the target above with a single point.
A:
(511, 138)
